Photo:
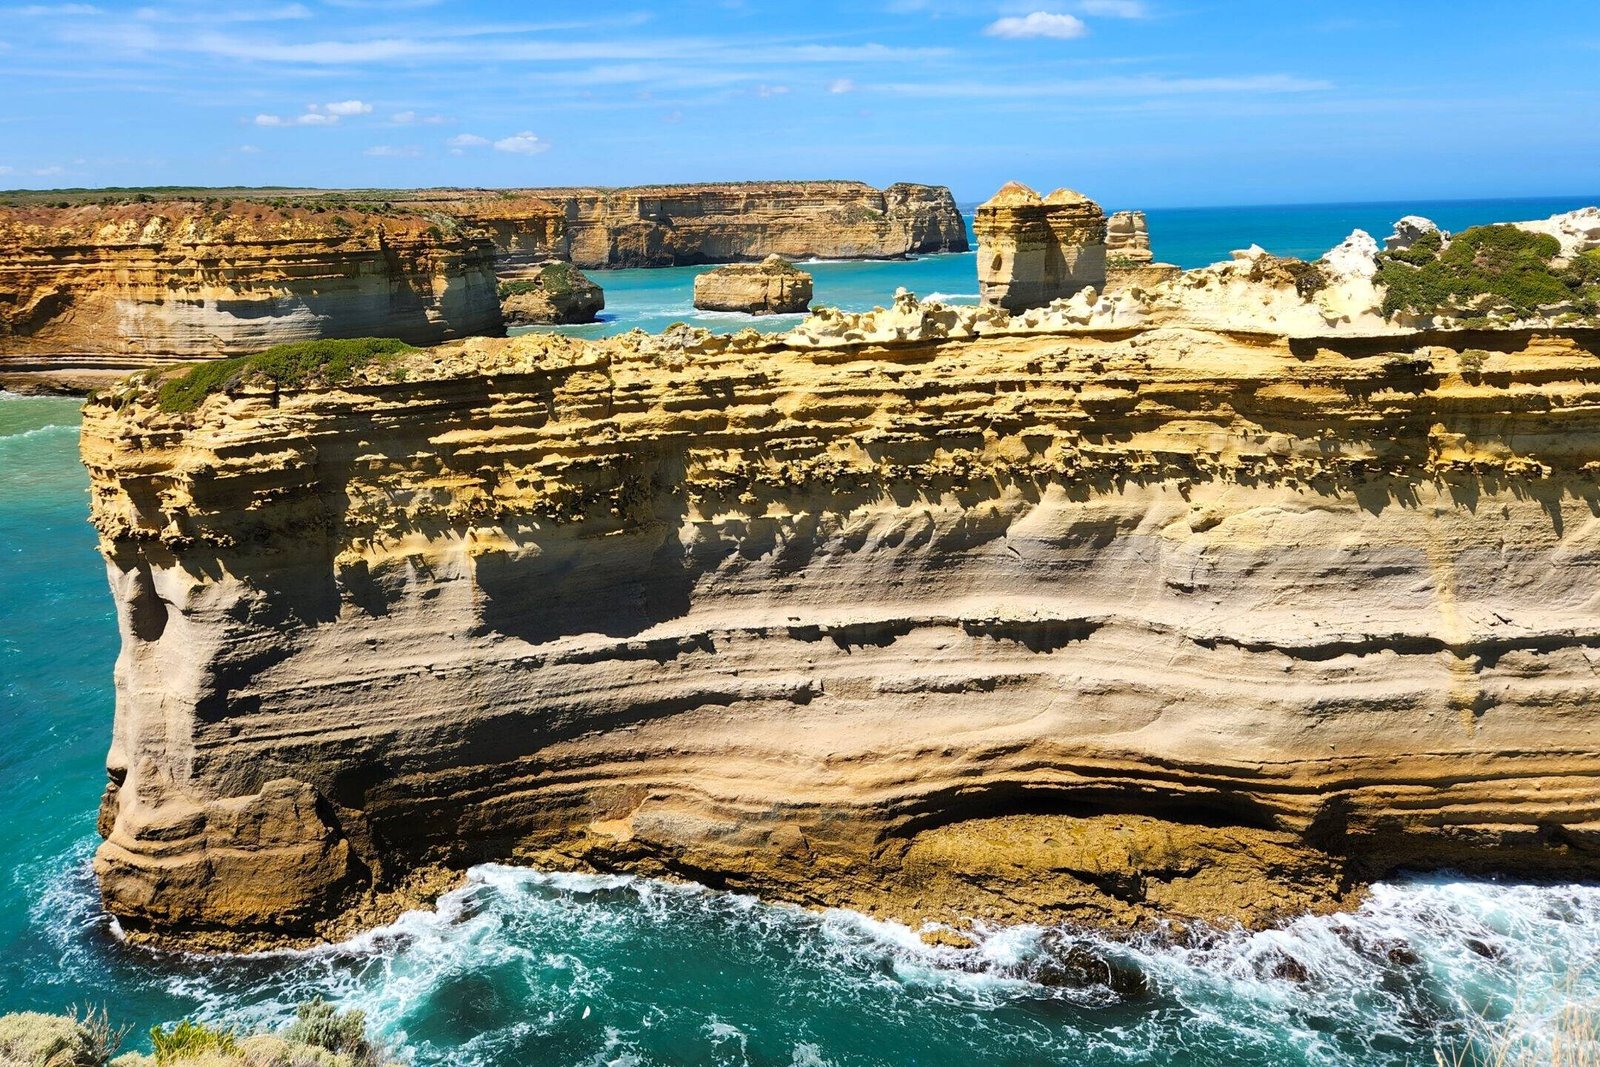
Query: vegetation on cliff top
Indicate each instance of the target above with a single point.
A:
(557, 277)
(325, 362)
(1488, 270)
(320, 1036)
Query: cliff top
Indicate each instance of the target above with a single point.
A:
(156, 222)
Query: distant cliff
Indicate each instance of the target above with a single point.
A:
(673, 225)
(938, 612)
(97, 287)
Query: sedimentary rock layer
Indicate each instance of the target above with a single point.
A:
(771, 287)
(672, 225)
(1083, 625)
(129, 285)
(1033, 250)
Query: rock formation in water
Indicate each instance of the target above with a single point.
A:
(550, 292)
(1033, 249)
(771, 287)
(112, 287)
(1204, 601)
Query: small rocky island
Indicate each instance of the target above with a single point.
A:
(772, 287)
(551, 293)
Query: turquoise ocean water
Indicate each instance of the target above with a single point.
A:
(522, 967)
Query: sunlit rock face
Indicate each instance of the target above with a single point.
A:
(114, 287)
(772, 287)
(1041, 621)
(1033, 249)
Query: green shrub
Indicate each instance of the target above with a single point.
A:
(341, 1032)
(290, 366)
(1472, 360)
(190, 1040)
(1309, 279)
(1487, 268)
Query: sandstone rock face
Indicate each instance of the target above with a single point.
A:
(1033, 249)
(1578, 231)
(937, 612)
(550, 292)
(675, 225)
(132, 285)
(1128, 238)
(771, 287)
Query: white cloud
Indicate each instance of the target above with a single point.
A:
(525, 143)
(1115, 9)
(467, 140)
(8, 170)
(766, 92)
(310, 118)
(405, 118)
(48, 172)
(343, 107)
(1038, 24)
(411, 118)
(391, 151)
(249, 150)
(841, 85)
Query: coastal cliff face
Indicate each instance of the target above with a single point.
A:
(771, 287)
(939, 614)
(676, 225)
(128, 285)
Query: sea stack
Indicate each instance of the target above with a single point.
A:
(772, 287)
(1033, 249)
(554, 292)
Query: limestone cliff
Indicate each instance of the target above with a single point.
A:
(674, 225)
(771, 287)
(121, 286)
(940, 613)
(550, 292)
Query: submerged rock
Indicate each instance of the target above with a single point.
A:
(772, 287)
(554, 292)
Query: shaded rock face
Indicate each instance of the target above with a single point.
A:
(676, 225)
(1031, 624)
(771, 287)
(551, 292)
(1033, 249)
(132, 285)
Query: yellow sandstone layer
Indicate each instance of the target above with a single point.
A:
(1086, 625)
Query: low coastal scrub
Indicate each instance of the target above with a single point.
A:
(1488, 271)
(320, 1036)
(291, 366)
(557, 277)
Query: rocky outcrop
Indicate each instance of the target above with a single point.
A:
(1128, 238)
(678, 225)
(114, 287)
(1033, 249)
(553, 292)
(771, 287)
(1576, 231)
(941, 613)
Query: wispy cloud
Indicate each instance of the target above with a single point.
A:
(1038, 24)
(1125, 87)
(467, 140)
(412, 118)
(391, 151)
(318, 114)
(50, 11)
(842, 85)
(522, 144)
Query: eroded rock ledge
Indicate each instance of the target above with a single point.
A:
(1040, 621)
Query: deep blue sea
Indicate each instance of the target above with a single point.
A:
(529, 968)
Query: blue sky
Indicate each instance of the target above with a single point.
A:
(1138, 102)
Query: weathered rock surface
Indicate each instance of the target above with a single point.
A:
(1578, 231)
(550, 292)
(675, 225)
(110, 288)
(1033, 250)
(1408, 231)
(1128, 238)
(771, 287)
(941, 613)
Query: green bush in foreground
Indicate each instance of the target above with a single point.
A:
(290, 366)
(1487, 269)
(342, 1032)
(190, 1040)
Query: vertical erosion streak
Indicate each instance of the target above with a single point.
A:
(1465, 690)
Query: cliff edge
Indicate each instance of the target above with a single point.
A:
(945, 614)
